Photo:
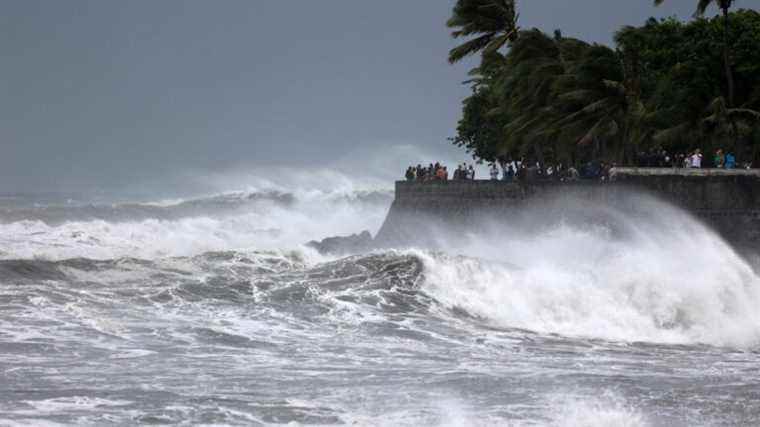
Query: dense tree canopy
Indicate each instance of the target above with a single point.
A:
(725, 6)
(663, 85)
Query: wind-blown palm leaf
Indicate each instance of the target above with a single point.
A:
(499, 42)
(618, 87)
(577, 95)
(724, 116)
(745, 113)
(601, 105)
(604, 127)
(702, 5)
(470, 47)
(492, 22)
(672, 134)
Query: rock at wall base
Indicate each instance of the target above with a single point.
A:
(340, 245)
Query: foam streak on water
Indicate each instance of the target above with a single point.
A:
(210, 311)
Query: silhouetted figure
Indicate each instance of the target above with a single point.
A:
(730, 161)
(409, 174)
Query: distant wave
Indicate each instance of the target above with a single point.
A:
(221, 204)
(239, 220)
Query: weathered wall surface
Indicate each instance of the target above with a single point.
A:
(729, 201)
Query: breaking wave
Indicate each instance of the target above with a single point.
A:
(260, 220)
(465, 293)
(656, 275)
(650, 273)
(606, 317)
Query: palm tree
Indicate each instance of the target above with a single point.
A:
(718, 124)
(534, 65)
(732, 124)
(531, 67)
(492, 23)
(592, 98)
(724, 6)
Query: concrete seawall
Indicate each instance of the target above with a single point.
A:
(727, 200)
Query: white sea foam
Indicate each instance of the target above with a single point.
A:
(272, 226)
(667, 279)
(77, 403)
(30, 422)
(556, 410)
(606, 410)
(344, 197)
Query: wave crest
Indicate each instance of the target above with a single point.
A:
(667, 278)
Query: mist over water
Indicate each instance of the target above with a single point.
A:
(644, 271)
(240, 220)
(210, 310)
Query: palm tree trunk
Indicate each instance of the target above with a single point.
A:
(738, 146)
(539, 151)
(626, 157)
(727, 59)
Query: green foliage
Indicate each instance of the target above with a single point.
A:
(662, 86)
(490, 23)
(479, 131)
(702, 5)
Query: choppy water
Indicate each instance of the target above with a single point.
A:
(210, 312)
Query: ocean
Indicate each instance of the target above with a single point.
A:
(210, 310)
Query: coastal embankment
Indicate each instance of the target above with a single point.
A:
(726, 200)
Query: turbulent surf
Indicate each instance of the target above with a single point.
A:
(211, 310)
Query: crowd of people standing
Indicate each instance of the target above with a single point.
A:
(509, 170)
(658, 157)
(438, 172)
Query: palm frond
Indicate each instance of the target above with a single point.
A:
(469, 47)
(618, 87)
(702, 7)
(673, 133)
(497, 42)
(601, 128)
(744, 114)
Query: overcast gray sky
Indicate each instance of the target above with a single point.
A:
(107, 94)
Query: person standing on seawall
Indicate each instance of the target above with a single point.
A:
(503, 166)
(440, 173)
(494, 172)
(719, 160)
(696, 159)
(730, 162)
(409, 174)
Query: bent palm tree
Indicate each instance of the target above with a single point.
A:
(720, 123)
(532, 66)
(724, 6)
(492, 22)
(731, 123)
(594, 102)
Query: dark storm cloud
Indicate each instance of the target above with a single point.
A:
(101, 94)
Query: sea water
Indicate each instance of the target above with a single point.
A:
(210, 310)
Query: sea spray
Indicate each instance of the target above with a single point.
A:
(606, 409)
(634, 277)
(251, 221)
(216, 319)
